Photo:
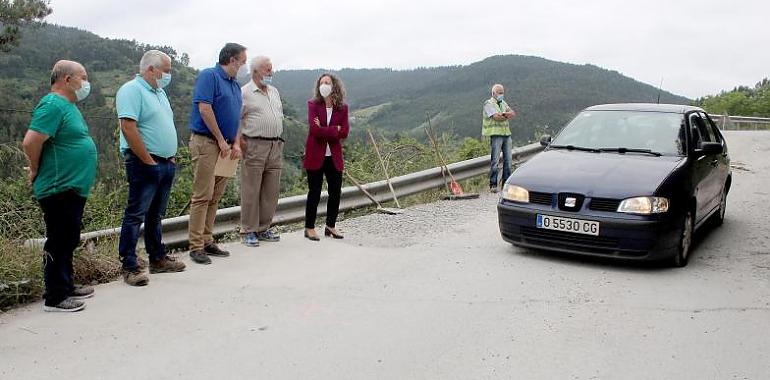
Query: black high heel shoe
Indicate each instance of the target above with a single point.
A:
(329, 232)
(313, 238)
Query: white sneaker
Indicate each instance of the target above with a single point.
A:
(68, 306)
(82, 292)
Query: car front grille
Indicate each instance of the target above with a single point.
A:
(604, 204)
(568, 239)
(540, 198)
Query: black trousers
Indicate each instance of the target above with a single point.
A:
(63, 214)
(314, 183)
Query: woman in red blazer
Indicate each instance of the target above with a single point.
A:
(327, 117)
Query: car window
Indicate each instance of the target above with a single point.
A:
(699, 131)
(657, 131)
(713, 129)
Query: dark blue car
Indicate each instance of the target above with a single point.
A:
(630, 181)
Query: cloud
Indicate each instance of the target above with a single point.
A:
(696, 47)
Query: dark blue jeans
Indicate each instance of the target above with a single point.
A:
(500, 144)
(63, 214)
(149, 187)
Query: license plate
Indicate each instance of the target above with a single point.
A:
(578, 226)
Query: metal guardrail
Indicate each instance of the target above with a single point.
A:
(727, 122)
(292, 209)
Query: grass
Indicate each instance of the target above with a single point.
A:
(21, 272)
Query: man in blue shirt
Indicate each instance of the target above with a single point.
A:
(214, 125)
(148, 143)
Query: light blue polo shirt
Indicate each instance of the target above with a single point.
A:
(150, 108)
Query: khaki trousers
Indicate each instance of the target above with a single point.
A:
(206, 192)
(260, 183)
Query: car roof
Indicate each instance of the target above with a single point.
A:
(645, 107)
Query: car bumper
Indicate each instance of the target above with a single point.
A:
(630, 237)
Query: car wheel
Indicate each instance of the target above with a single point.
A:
(685, 241)
(719, 216)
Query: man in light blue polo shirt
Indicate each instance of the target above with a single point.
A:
(148, 142)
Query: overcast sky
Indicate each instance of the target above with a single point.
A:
(696, 47)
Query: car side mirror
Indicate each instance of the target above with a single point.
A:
(708, 148)
(545, 140)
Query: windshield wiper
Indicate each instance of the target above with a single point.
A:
(631, 150)
(573, 147)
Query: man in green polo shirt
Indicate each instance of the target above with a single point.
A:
(494, 125)
(62, 168)
(148, 143)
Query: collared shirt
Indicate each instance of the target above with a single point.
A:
(150, 108)
(68, 159)
(262, 112)
(215, 87)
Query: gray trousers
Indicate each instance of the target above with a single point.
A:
(260, 183)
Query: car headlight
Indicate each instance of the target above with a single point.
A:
(515, 193)
(644, 205)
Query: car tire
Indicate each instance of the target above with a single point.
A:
(685, 240)
(719, 216)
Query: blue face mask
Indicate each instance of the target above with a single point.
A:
(267, 80)
(500, 98)
(164, 80)
(83, 91)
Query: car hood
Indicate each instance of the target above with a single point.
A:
(602, 175)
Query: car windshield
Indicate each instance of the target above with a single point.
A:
(625, 131)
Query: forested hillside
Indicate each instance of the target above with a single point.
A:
(543, 92)
(397, 102)
(25, 77)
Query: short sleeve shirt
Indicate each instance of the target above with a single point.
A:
(68, 159)
(150, 108)
(262, 114)
(215, 87)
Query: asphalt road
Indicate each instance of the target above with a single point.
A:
(431, 294)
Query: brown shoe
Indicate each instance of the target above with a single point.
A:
(214, 250)
(166, 265)
(135, 278)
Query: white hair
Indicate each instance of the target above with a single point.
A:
(496, 86)
(152, 58)
(258, 61)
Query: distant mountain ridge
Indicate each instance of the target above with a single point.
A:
(543, 92)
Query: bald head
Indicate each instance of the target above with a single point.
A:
(63, 69)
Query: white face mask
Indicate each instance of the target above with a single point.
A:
(243, 75)
(83, 91)
(325, 90)
(164, 80)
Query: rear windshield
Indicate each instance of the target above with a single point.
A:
(657, 131)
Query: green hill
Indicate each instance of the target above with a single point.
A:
(396, 102)
(25, 73)
(543, 92)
